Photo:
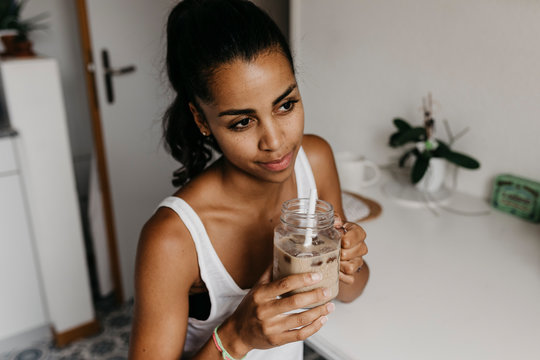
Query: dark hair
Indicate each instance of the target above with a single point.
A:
(201, 36)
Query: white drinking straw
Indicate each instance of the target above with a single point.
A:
(311, 213)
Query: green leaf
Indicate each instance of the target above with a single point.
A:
(462, 160)
(442, 149)
(405, 156)
(419, 168)
(401, 124)
(393, 138)
(413, 134)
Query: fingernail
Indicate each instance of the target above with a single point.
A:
(330, 307)
(316, 277)
(324, 319)
(326, 292)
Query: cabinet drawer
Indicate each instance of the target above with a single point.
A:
(7, 157)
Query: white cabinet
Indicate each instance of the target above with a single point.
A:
(21, 306)
(35, 106)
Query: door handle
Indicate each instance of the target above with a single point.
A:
(109, 72)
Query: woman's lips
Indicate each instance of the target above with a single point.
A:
(279, 164)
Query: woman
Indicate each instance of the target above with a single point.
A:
(203, 283)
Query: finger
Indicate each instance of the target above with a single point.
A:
(353, 234)
(351, 253)
(292, 282)
(304, 332)
(298, 301)
(347, 279)
(351, 266)
(304, 318)
(349, 225)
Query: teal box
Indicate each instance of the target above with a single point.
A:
(517, 196)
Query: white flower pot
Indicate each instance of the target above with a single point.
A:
(434, 177)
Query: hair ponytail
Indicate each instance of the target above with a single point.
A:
(185, 142)
(201, 36)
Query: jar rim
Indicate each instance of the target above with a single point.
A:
(305, 202)
(295, 210)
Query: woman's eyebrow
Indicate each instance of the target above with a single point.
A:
(285, 93)
(236, 112)
(251, 111)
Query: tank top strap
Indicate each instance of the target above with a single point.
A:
(304, 174)
(217, 279)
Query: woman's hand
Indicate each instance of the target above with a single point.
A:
(353, 247)
(261, 321)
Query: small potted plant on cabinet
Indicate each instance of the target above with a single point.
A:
(428, 153)
(15, 30)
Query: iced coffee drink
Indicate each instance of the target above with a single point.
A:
(292, 256)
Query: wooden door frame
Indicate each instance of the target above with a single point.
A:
(99, 149)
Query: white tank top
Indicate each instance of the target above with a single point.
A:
(225, 295)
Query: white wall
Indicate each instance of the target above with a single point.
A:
(362, 63)
(61, 41)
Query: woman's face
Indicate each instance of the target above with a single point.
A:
(256, 116)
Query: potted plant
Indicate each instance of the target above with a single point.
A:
(15, 38)
(427, 152)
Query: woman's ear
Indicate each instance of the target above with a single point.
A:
(199, 119)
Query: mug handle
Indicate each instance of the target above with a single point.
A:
(376, 173)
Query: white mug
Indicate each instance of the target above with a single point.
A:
(356, 172)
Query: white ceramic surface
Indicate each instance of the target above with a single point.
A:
(356, 172)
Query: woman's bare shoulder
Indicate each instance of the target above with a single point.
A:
(165, 246)
(166, 237)
(318, 151)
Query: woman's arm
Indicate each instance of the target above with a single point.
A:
(354, 273)
(166, 267)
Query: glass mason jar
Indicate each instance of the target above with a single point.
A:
(292, 256)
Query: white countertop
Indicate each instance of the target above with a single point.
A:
(442, 287)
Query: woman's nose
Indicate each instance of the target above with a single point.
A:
(271, 137)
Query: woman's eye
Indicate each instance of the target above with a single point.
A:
(288, 106)
(241, 124)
